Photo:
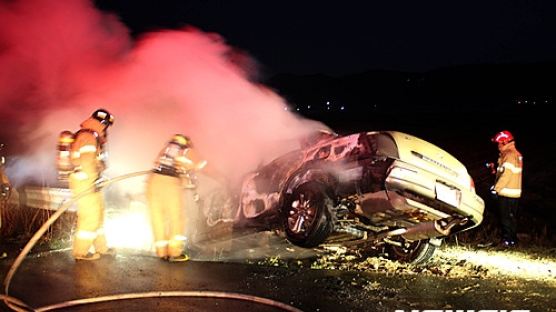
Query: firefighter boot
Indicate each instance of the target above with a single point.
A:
(82, 243)
(101, 247)
(111, 252)
(89, 256)
(162, 249)
(176, 249)
(181, 258)
(162, 253)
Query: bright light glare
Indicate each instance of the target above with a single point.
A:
(506, 262)
(129, 228)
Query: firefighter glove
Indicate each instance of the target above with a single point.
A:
(492, 190)
(99, 183)
(491, 167)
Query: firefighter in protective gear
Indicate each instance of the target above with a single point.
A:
(174, 170)
(5, 190)
(87, 152)
(5, 186)
(507, 185)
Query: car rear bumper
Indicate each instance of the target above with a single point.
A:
(434, 195)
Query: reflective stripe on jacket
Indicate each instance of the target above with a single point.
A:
(509, 172)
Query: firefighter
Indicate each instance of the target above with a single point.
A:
(87, 156)
(507, 185)
(5, 189)
(174, 170)
(5, 186)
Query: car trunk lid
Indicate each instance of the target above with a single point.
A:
(414, 150)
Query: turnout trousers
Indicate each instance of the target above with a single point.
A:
(90, 217)
(508, 208)
(166, 206)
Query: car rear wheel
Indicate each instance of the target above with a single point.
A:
(416, 252)
(307, 216)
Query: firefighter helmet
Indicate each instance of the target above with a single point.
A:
(103, 116)
(65, 137)
(503, 137)
(182, 140)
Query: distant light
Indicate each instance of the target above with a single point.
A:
(297, 109)
(285, 108)
(308, 106)
(328, 108)
(327, 102)
(342, 108)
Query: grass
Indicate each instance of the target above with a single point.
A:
(20, 223)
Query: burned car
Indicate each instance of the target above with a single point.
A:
(369, 189)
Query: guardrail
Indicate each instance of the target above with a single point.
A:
(41, 197)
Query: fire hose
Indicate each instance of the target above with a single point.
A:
(18, 305)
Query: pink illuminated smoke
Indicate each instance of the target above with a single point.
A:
(61, 60)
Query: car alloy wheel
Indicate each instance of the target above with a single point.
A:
(302, 212)
(306, 215)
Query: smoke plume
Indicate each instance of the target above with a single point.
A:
(61, 60)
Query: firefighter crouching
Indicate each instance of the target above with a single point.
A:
(87, 152)
(507, 185)
(174, 170)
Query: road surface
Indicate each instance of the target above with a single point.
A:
(52, 277)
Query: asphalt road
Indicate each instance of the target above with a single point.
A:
(47, 278)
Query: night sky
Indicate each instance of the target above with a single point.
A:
(342, 37)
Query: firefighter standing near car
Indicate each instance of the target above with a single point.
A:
(88, 158)
(507, 185)
(174, 170)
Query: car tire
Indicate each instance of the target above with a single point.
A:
(307, 215)
(417, 252)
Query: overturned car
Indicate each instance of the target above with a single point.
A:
(372, 189)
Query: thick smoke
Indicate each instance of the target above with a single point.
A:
(61, 60)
